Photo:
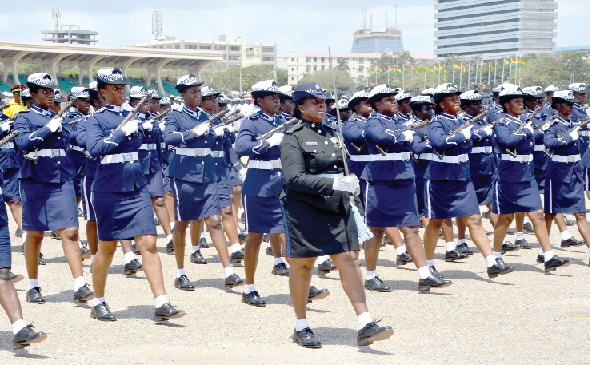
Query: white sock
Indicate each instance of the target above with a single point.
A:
(17, 326)
(195, 249)
(249, 288)
(97, 301)
(80, 244)
(301, 324)
(268, 244)
(279, 261)
(519, 236)
(450, 246)
(203, 235)
(24, 236)
(91, 259)
(430, 262)
(462, 241)
(400, 250)
(497, 254)
(371, 274)
(485, 209)
(78, 282)
(363, 319)
(423, 272)
(227, 271)
(180, 272)
(235, 247)
(169, 238)
(565, 235)
(129, 256)
(490, 260)
(33, 283)
(160, 301)
(321, 259)
(541, 251)
(172, 226)
(548, 255)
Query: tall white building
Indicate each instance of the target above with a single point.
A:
(494, 29)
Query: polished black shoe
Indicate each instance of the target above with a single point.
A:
(54, 235)
(183, 283)
(34, 296)
(83, 294)
(237, 257)
(253, 299)
(403, 259)
(569, 222)
(522, 243)
(376, 284)
(265, 237)
(540, 258)
(486, 215)
(156, 221)
(556, 262)
(243, 218)
(464, 249)
(432, 282)
(326, 266)
(197, 258)
(453, 255)
(499, 268)
(170, 247)
(281, 269)
(135, 249)
(434, 272)
(373, 332)
(269, 251)
(15, 278)
(18, 233)
(306, 338)
(26, 336)
(528, 228)
(234, 280)
(508, 246)
(316, 294)
(242, 236)
(84, 252)
(102, 312)
(167, 312)
(203, 243)
(572, 242)
(132, 267)
(41, 259)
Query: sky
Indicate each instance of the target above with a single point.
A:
(301, 25)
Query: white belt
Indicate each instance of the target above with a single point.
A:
(426, 156)
(48, 152)
(539, 148)
(193, 152)
(584, 133)
(484, 149)
(518, 158)
(77, 148)
(360, 158)
(264, 165)
(148, 146)
(8, 146)
(163, 145)
(119, 158)
(566, 159)
(400, 156)
(218, 153)
(452, 159)
(330, 175)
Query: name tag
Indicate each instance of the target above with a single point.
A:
(311, 143)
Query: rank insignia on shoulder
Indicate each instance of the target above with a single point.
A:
(336, 141)
(311, 143)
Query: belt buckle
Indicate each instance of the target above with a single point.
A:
(405, 156)
(570, 159)
(127, 157)
(462, 158)
(488, 149)
(54, 153)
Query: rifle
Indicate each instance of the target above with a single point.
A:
(529, 119)
(134, 111)
(282, 127)
(9, 137)
(469, 122)
(221, 114)
(407, 128)
(542, 124)
(581, 123)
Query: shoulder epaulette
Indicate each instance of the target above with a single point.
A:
(294, 128)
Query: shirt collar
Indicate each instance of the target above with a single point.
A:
(513, 119)
(448, 116)
(43, 112)
(190, 112)
(115, 109)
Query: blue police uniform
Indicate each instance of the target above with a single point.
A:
(191, 169)
(423, 154)
(121, 201)
(87, 172)
(540, 158)
(46, 184)
(481, 161)
(390, 192)
(583, 142)
(221, 149)
(149, 155)
(515, 188)
(564, 185)
(235, 164)
(10, 162)
(264, 177)
(448, 190)
(75, 153)
(5, 251)
(353, 132)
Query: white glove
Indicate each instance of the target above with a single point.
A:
(574, 134)
(230, 128)
(275, 139)
(348, 183)
(487, 130)
(529, 128)
(201, 129)
(467, 132)
(162, 125)
(148, 126)
(130, 128)
(242, 174)
(5, 126)
(54, 125)
(408, 135)
(219, 131)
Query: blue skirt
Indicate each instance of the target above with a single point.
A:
(586, 179)
(5, 251)
(483, 188)
(167, 184)
(263, 214)
(77, 179)
(155, 184)
(516, 197)
(234, 177)
(562, 197)
(194, 201)
(391, 204)
(48, 206)
(122, 216)
(226, 189)
(87, 205)
(449, 199)
(10, 185)
(420, 182)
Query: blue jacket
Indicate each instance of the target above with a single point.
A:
(421, 144)
(9, 158)
(222, 144)
(562, 146)
(580, 113)
(89, 166)
(447, 145)
(540, 157)
(523, 143)
(78, 157)
(481, 163)
(353, 132)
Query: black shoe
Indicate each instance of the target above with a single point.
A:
(403, 259)
(132, 267)
(203, 243)
(197, 258)
(376, 284)
(83, 294)
(569, 222)
(432, 282)
(464, 249)
(499, 268)
(306, 338)
(572, 242)
(156, 221)
(243, 218)
(281, 269)
(167, 312)
(265, 237)
(102, 312)
(80, 213)
(34, 296)
(234, 280)
(41, 259)
(453, 255)
(540, 258)
(508, 246)
(170, 247)
(434, 272)
(18, 233)
(54, 235)
(326, 266)
(84, 252)
(26, 336)
(486, 215)
(522, 243)
(135, 249)
(237, 257)
(373, 332)
(183, 283)
(253, 299)
(15, 278)
(316, 294)
(528, 228)
(386, 241)
(269, 251)
(556, 262)
(242, 236)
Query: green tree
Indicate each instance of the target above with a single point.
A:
(344, 82)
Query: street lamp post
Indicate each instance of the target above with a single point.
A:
(240, 60)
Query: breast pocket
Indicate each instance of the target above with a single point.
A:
(310, 154)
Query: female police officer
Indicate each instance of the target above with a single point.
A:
(317, 214)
